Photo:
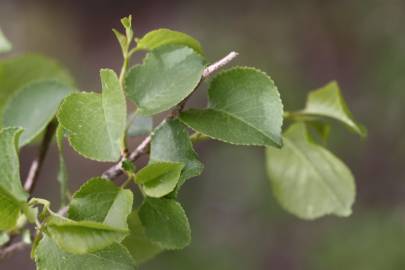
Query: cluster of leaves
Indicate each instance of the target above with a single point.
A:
(103, 228)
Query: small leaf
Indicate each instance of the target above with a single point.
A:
(96, 123)
(171, 142)
(49, 256)
(139, 125)
(125, 40)
(101, 201)
(33, 107)
(165, 223)
(244, 108)
(5, 45)
(159, 179)
(80, 237)
(329, 102)
(137, 243)
(20, 71)
(12, 194)
(308, 180)
(167, 75)
(160, 37)
(62, 177)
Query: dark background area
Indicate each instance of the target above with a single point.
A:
(236, 223)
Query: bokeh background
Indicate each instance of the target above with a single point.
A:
(236, 222)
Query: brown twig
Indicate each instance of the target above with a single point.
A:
(143, 147)
(14, 247)
(36, 165)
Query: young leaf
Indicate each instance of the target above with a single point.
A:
(329, 102)
(49, 256)
(96, 123)
(33, 107)
(167, 75)
(80, 237)
(16, 73)
(12, 194)
(101, 201)
(125, 40)
(159, 179)
(5, 45)
(308, 180)
(63, 177)
(171, 142)
(244, 108)
(160, 37)
(137, 243)
(165, 223)
(139, 125)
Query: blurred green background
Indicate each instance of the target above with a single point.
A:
(302, 44)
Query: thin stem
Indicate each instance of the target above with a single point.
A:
(36, 165)
(143, 147)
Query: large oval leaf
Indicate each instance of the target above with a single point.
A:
(20, 71)
(167, 75)
(96, 123)
(244, 108)
(34, 106)
(308, 180)
(165, 223)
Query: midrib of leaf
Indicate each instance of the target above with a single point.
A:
(307, 160)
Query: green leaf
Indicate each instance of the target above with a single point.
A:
(139, 125)
(5, 45)
(12, 194)
(63, 177)
(171, 142)
(102, 201)
(160, 37)
(137, 243)
(167, 75)
(329, 102)
(18, 72)
(308, 180)
(33, 107)
(159, 179)
(49, 256)
(125, 40)
(96, 123)
(80, 237)
(244, 108)
(165, 223)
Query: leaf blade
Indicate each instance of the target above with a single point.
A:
(167, 75)
(165, 223)
(243, 98)
(308, 180)
(160, 37)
